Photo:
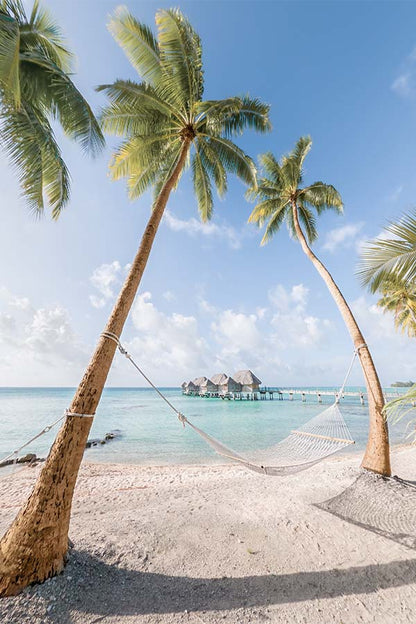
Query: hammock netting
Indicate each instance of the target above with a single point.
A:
(317, 439)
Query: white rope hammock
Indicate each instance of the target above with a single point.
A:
(320, 437)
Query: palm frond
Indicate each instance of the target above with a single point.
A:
(181, 57)
(401, 407)
(394, 259)
(322, 197)
(272, 169)
(234, 159)
(9, 58)
(265, 210)
(202, 186)
(275, 222)
(308, 222)
(169, 161)
(29, 142)
(138, 153)
(400, 299)
(139, 181)
(138, 43)
(42, 34)
(232, 116)
(142, 97)
(62, 99)
(213, 165)
(301, 150)
(122, 119)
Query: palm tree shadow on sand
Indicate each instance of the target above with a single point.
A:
(386, 507)
(93, 590)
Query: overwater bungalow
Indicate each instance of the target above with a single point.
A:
(190, 388)
(226, 384)
(198, 381)
(208, 387)
(249, 382)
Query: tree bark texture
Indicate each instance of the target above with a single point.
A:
(36, 544)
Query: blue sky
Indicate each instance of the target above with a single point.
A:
(212, 300)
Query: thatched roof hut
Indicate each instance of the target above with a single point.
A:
(190, 388)
(198, 381)
(225, 383)
(248, 380)
(208, 386)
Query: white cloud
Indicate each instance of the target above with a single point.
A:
(283, 300)
(345, 236)
(169, 296)
(405, 83)
(39, 346)
(195, 227)
(171, 343)
(292, 324)
(104, 278)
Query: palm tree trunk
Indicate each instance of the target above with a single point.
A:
(35, 546)
(377, 453)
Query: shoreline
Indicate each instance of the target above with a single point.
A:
(190, 543)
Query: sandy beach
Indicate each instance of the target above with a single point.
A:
(221, 544)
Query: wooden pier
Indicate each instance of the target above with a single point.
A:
(291, 394)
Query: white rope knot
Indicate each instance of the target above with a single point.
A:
(116, 339)
(69, 413)
(182, 418)
(361, 346)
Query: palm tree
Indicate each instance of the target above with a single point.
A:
(165, 121)
(284, 200)
(35, 88)
(400, 298)
(392, 257)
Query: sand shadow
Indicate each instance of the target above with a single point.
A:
(93, 589)
(383, 506)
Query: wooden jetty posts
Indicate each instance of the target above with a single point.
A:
(245, 386)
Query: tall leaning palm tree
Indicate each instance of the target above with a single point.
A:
(35, 87)
(165, 123)
(283, 199)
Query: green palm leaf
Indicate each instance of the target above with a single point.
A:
(392, 259)
(9, 57)
(181, 58)
(35, 88)
(202, 186)
(138, 43)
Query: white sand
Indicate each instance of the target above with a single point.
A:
(221, 544)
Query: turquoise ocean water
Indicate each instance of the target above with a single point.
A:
(150, 431)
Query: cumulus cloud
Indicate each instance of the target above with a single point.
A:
(169, 342)
(104, 279)
(345, 236)
(194, 227)
(291, 322)
(39, 346)
(405, 83)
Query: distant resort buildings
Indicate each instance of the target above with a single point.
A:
(244, 384)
